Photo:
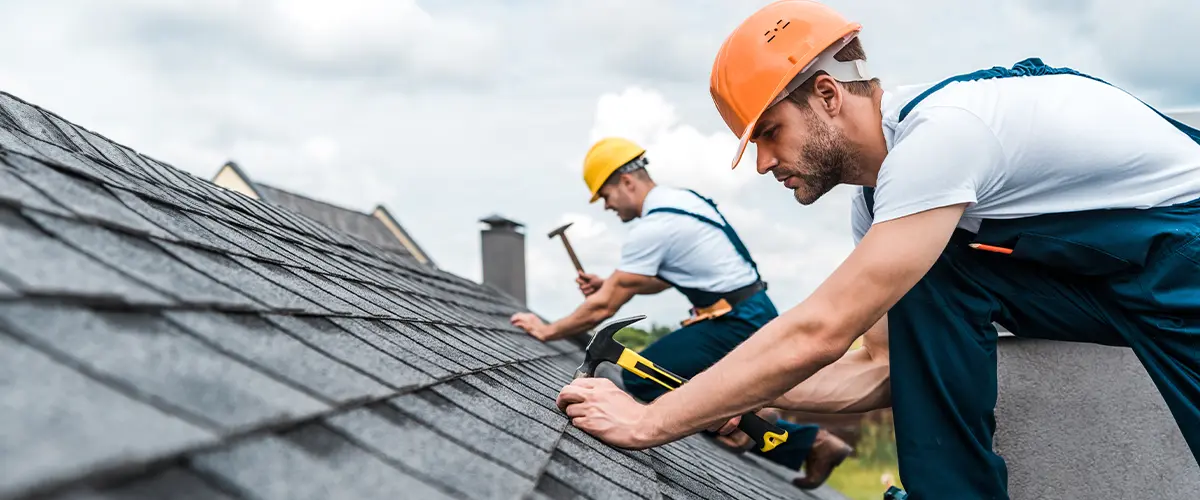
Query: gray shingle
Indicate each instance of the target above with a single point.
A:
(175, 483)
(238, 239)
(352, 350)
(457, 354)
(312, 463)
(541, 409)
(31, 120)
(634, 480)
(484, 436)
(89, 200)
(15, 192)
(254, 339)
(637, 461)
(283, 277)
(12, 142)
(172, 221)
(111, 153)
(550, 488)
(341, 293)
(144, 261)
(76, 142)
(232, 274)
(430, 454)
(76, 164)
(43, 266)
(503, 410)
(581, 477)
(696, 482)
(56, 423)
(479, 348)
(6, 291)
(155, 359)
(397, 346)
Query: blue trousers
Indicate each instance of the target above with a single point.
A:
(1126, 278)
(690, 350)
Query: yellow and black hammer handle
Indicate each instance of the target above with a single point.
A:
(766, 434)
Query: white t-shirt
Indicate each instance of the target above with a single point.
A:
(683, 250)
(1024, 146)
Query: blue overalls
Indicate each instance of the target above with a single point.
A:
(691, 349)
(1119, 277)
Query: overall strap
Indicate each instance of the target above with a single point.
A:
(1029, 67)
(723, 226)
(1033, 67)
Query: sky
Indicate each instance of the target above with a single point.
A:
(447, 112)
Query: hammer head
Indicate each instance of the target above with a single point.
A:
(604, 347)
(559, 230)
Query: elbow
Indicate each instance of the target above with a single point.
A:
(817, 340)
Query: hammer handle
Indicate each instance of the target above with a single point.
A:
(571, 252)
(766, 434)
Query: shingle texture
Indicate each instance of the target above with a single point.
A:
(164, 338)
(349, 221)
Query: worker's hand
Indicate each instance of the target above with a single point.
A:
(533, 326)
(588, 283)
(597, 407)
(737, 441)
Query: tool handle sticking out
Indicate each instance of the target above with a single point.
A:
(766, 434)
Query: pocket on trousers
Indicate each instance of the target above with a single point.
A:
(1067, 255)
(1170, 285)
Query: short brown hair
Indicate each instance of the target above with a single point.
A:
(851, 52)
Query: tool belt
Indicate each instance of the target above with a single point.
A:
(725, 304)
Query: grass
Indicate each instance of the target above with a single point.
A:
(859, 480)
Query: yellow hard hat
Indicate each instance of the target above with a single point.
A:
(604, 158)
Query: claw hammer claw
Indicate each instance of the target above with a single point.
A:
(603, 347)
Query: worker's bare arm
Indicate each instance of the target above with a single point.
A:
(857, 382)
(888, 261)
(617, 290)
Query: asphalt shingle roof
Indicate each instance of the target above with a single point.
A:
(164, 337)
(349, 221)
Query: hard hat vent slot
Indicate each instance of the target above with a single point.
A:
(778, 26)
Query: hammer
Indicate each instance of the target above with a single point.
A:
(604, 347)
(562, 233)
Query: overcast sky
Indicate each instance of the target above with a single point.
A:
(452, 110)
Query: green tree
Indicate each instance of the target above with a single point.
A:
(637, 338)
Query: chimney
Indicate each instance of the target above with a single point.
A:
(503, 256)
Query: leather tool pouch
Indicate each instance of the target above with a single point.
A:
(718, 309)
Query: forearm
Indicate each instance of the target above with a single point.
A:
(594, 310)
(855, 383)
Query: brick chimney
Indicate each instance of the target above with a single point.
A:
(503, 256)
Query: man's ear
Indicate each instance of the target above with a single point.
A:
(828, 94)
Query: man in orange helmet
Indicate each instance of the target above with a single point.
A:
(1032, 196)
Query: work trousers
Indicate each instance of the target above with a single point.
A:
(690, 350)
(1126, 278)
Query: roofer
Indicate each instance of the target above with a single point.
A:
(680, 239)
(1036, 197)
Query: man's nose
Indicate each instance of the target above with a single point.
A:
(765, 161)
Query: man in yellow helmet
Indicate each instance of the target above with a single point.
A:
(1032, 196)
(679, 239)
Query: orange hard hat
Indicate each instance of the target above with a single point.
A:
(771, 53)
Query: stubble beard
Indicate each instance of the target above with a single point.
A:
(827, 160)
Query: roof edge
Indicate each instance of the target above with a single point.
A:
(383, 214)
